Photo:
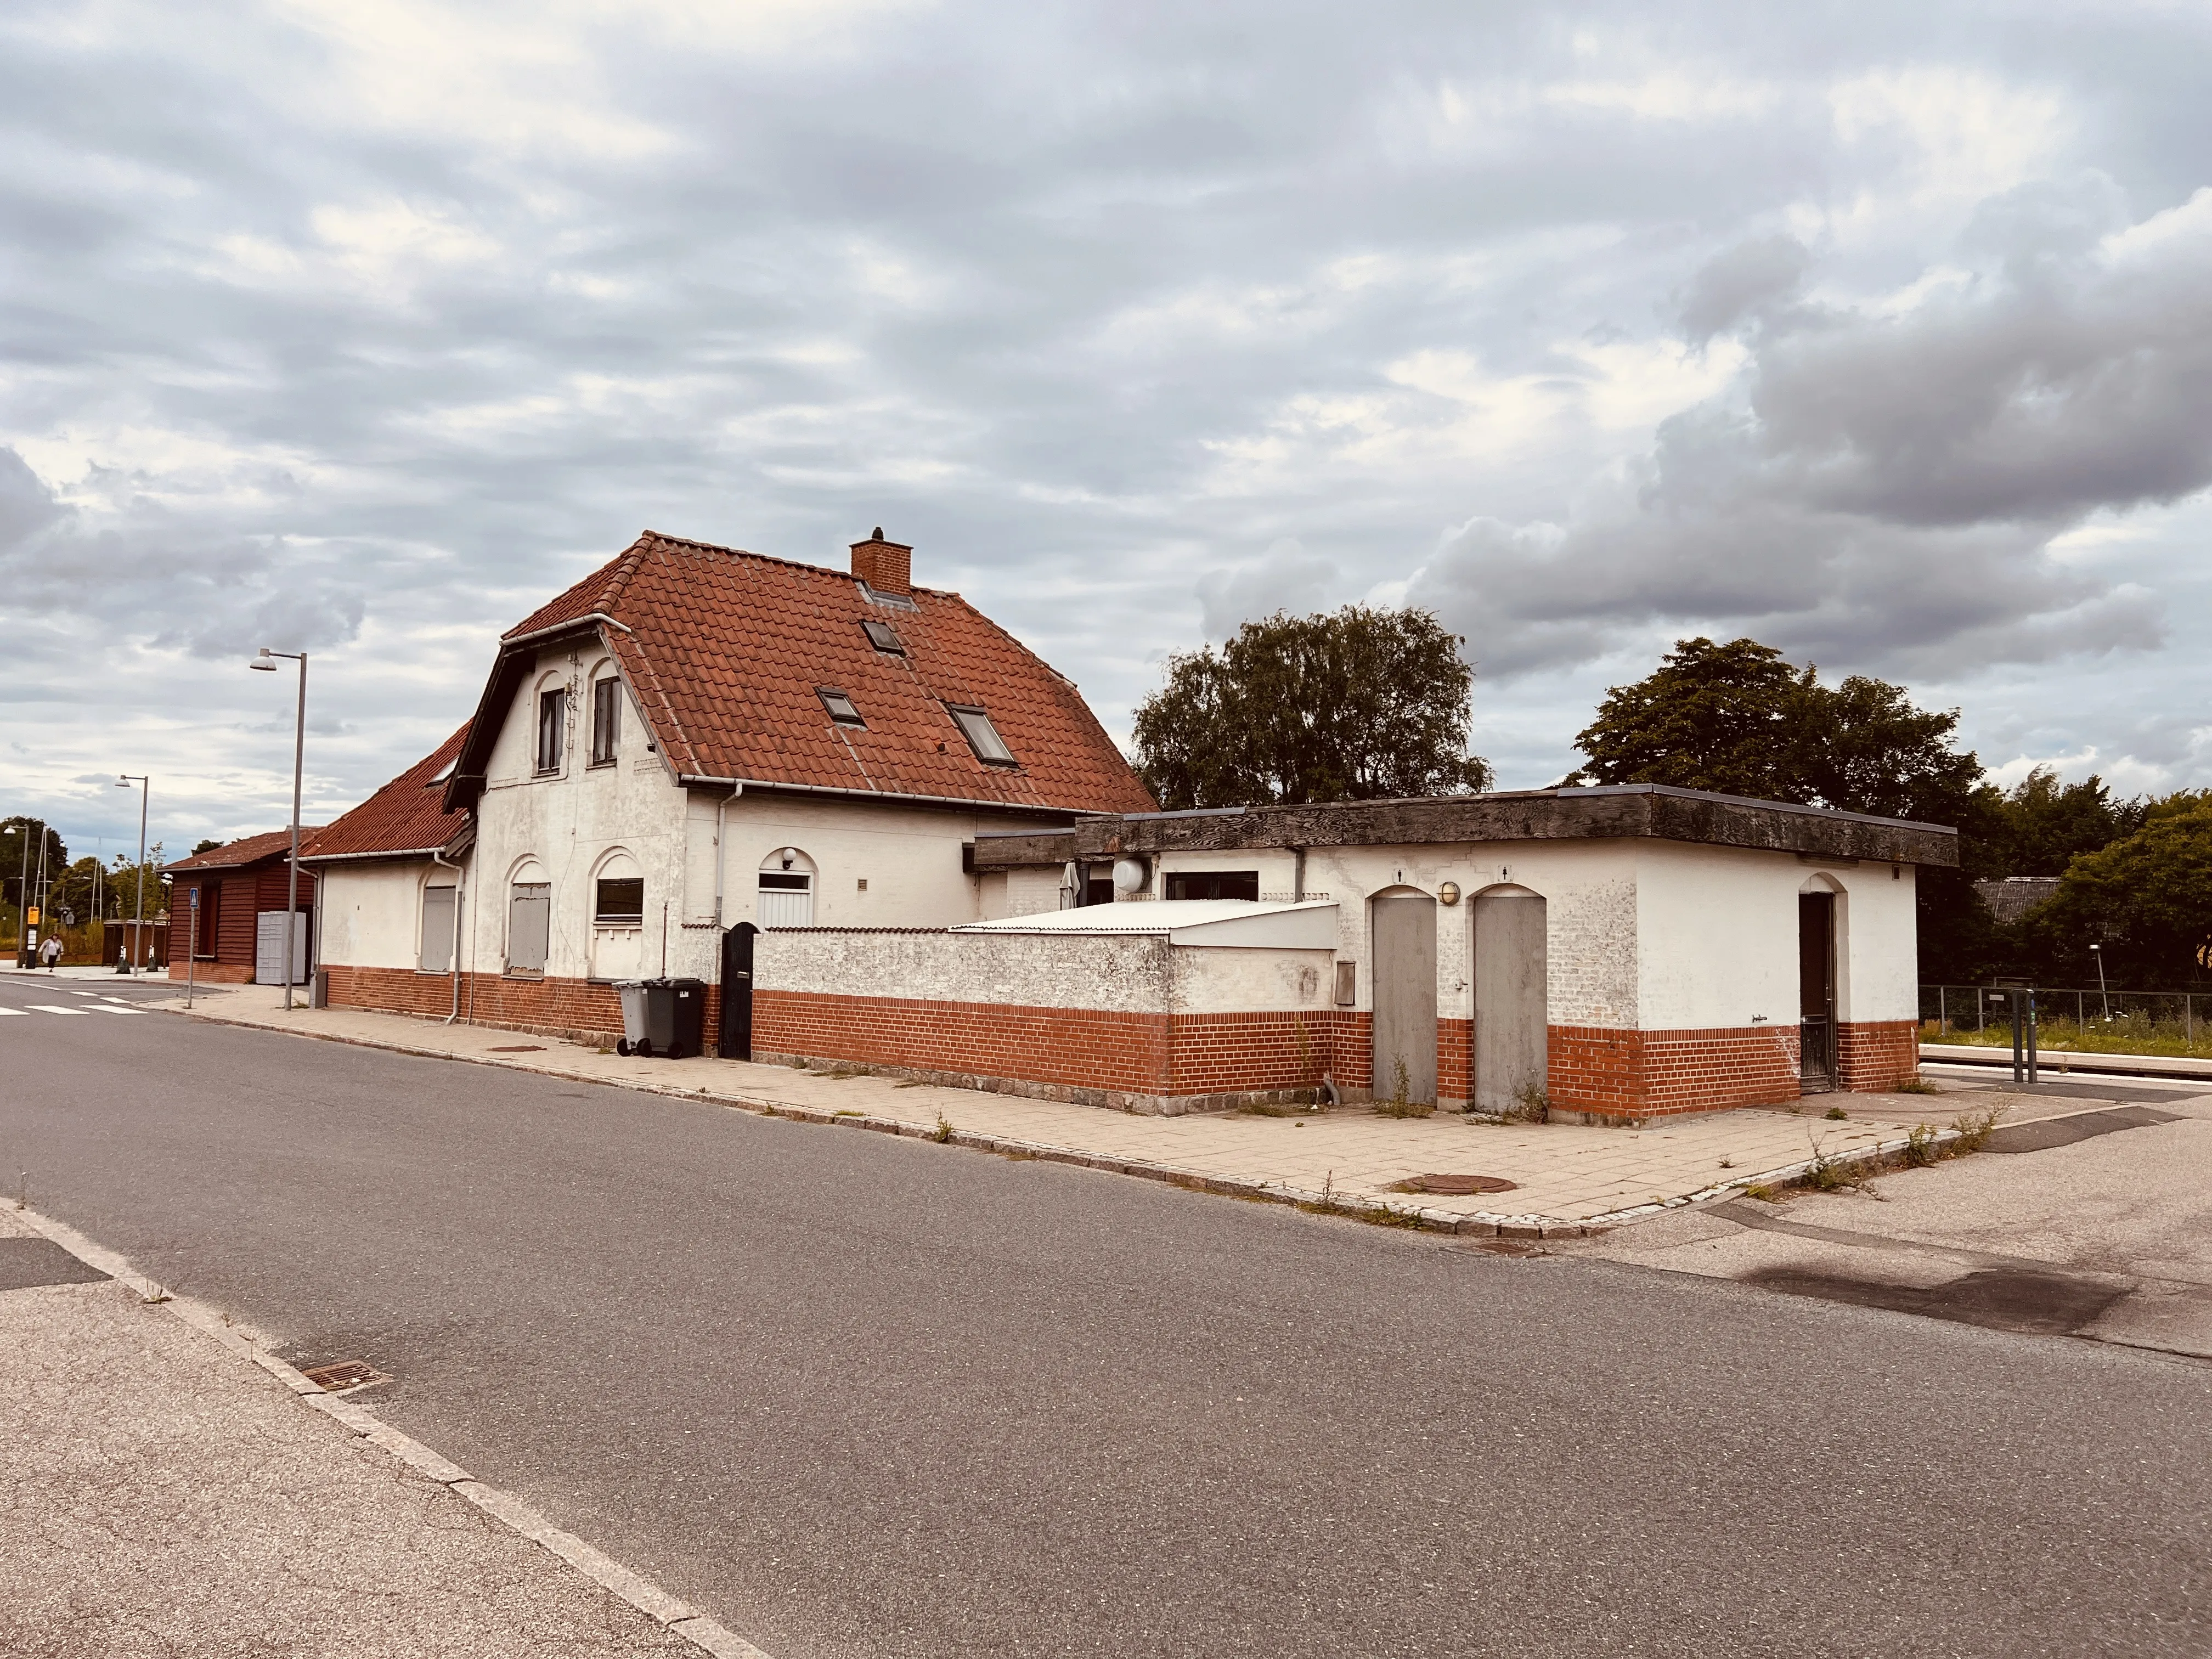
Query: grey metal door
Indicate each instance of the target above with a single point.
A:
(1512, 1018)
(269, 947)
(1403, 930)
(1816, 992)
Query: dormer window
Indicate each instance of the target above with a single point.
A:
(883, 636)
(983, 737)
(840, 707)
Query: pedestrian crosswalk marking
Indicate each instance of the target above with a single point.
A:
(103, 1008)
(10, 1010)
(53, 1008)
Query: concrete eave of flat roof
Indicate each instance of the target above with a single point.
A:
(1607, 812)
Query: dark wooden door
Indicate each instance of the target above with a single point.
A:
(1816, 992)
(734, 1040)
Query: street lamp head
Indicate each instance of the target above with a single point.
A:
(2096, 947)
(263, 661)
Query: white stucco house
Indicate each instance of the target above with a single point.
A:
(693, 737)
(886, 834)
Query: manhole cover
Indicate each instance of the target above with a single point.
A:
(1452, 1186)
(520, 1049)
(345, 1376)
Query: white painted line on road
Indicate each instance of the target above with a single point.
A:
(680, 1618)
(10, 1010)
(53, 1008)
(102, 1008)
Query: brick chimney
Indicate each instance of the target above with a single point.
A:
(887, 567)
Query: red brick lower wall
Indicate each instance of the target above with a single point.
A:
(1155, 1056)
(1616, 1073)
(567, 1006)
(1593, 1069)
(1873, 1055)
(215, 973)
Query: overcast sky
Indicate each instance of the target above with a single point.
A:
(1882, 333)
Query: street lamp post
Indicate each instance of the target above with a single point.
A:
(2104, 1002)
(266, 661)
(23, 899)
(138, 924)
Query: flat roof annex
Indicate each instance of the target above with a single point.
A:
(1607, 812)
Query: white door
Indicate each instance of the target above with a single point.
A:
(269, 947)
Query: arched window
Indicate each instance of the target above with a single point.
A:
(552, 726)
(618, 918)
(787, 890)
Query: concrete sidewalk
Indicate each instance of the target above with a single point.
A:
(167, 1495)
(1565, 1179)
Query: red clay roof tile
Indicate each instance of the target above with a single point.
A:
(725, 650)
(406, 816)
(250, 849)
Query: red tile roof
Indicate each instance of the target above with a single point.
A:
(408, 815)
(726, 649)
(276, 843)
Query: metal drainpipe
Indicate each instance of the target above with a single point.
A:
(460, 882)
(721, 808)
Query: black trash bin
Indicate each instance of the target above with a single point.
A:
(675, 1017)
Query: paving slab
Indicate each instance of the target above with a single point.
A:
(164, 1499)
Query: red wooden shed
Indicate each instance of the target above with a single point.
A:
(238, 938)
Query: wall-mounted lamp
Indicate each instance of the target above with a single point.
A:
(1448, 895)
(789, 856)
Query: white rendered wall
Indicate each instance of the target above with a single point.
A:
(1717, 933)
(372, 914)
(1589, 888)
(1114, 974)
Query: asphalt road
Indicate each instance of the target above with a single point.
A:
(856, 1396)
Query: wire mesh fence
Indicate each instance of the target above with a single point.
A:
(2079, 1019)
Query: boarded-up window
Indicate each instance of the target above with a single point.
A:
(606, 720)
(529, 926)
(786, 899)
(437, 953)
(551, 708)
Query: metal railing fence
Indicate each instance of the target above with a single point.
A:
(2087, 1018)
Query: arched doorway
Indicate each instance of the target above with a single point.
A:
(1402, 933)
(1818, 917)
(1512, 1017)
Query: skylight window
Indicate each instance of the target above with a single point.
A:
(883, 636)
(983, 737)
(840, 707)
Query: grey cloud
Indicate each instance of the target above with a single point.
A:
(1883, 490)
(1286, 579)
(1744, 280)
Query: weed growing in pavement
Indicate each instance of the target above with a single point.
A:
(1530, 1103)
(1397, 1105)
(1836, 1115)
(1974, 1131)
(943, 1131)
(1915, 1084)
(848, 1111)
(23, 1191)
(1920, 1147)
(1765, 1192)
(1827, 1174)
(1728, 1163)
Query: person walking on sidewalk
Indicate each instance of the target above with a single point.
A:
(50, 951)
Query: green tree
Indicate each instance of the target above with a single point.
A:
(1738, 720)
(2146, 899)
(2044, 823)
(1360, 704)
